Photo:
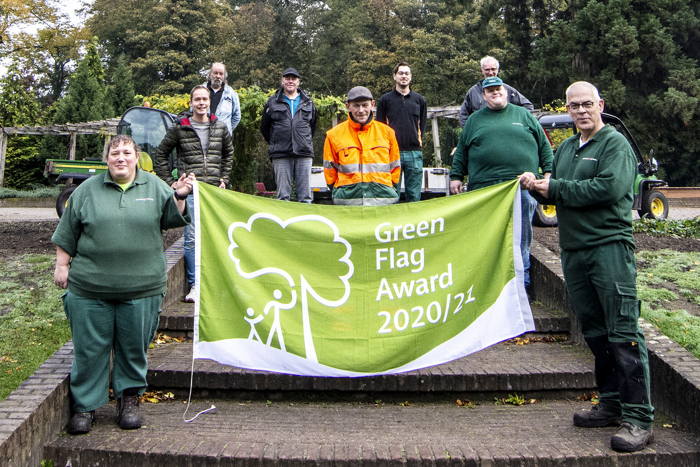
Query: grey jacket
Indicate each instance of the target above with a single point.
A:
(287, 135)
(474, 100)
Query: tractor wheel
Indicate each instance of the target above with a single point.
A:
(62, 200)
(545, 216)
(654, 205)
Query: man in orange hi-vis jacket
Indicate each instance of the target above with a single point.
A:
(361, 156)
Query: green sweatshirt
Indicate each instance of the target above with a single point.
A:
(498, 145)
(115, 237)
(592, 189)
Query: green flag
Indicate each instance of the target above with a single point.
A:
(354, 291)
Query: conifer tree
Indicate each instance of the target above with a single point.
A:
(121, 92)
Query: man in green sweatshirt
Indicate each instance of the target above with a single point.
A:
(499, 143)
(592, 188)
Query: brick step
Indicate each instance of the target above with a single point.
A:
(178, 320)
(286, 433)
(500, 368)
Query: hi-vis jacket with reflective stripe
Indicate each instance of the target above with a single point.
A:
(361, 163)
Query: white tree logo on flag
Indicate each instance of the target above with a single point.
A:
(294, 273)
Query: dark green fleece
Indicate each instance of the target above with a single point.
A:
(592, 189)
(115, 237)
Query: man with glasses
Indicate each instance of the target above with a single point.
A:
(502, 142)
(288, 125)
(405, 112)
(474, 101)
(592, 188)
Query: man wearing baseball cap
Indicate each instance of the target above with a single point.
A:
(288, 125)
(361, 156)
(499, 143)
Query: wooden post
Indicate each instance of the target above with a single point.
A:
(3, 152)
(71, 151)
(105, 150)
(436, 142)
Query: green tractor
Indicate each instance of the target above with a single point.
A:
(647, 201)
(147, 126)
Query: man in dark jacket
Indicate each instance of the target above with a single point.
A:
(204, 148)
(288, 125)
(474, 100)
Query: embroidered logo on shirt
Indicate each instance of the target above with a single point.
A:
(589, 159)
(144, 199)
(518, 123)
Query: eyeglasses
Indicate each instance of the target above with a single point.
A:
(403, 73)
(490, 69)
(575, 105)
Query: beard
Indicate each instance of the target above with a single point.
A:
(217, 82)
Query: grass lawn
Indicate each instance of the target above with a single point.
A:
(32, 323)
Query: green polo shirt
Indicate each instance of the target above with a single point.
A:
(592, 189)
(498, 145)
(115, 236)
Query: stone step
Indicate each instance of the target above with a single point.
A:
(286, 433)
(504, 367)
(178, 320)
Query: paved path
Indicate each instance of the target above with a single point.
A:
(27, 214)
(49, 214)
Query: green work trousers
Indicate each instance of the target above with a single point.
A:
(601, 282)
(412, 174)
(97, 327)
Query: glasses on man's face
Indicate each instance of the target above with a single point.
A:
(588, 105)
(403, 73)
(490, 69)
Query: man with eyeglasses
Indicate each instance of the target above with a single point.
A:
(502, 142)
(405, 111)
(474, 100)
(592, 188)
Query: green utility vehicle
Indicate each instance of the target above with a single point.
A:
(147, 126)
(647, 201)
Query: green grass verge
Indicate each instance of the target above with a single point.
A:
(689, 228)
(682, 269)
(33, 325)
(43, 192)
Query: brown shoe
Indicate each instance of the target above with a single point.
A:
(631, 438)
(128, 414)
(81, 423)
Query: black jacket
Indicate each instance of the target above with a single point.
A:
(289, 136)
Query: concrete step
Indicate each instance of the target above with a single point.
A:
(286, 433)
(177, 320)
(504, 367)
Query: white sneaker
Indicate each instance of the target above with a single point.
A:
(190, 296)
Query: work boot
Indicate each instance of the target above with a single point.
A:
(597, 417)
(631, 438)
(128, 415)
(81, 423)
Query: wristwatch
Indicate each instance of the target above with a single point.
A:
(181, 198)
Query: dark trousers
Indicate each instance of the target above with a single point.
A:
(601, 282)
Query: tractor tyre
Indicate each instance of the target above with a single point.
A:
(545, 216)
(654, 205)
(62, 200)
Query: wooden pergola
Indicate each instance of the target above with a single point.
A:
(107, 128)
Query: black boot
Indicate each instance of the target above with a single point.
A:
(81, 423)
(128, 414)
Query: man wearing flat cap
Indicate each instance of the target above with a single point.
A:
(288, 125)
(361, 156)
(499, 143)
